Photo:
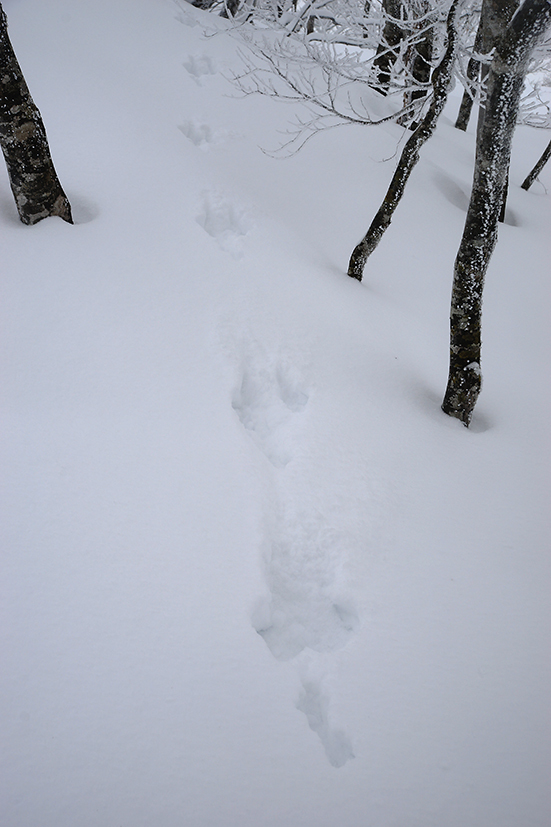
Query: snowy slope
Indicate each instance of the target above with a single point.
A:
(251, 574)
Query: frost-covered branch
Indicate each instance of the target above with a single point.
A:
(336, 71)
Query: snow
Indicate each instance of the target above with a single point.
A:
(252, 575)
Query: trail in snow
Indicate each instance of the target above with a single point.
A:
(199, 65)
(306, 609)
(315, 704)
(202, 134)
(266, 400)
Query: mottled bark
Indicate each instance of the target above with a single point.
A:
(504, 86)
(441, 78)
(34, 183)
(389, 47)
(421, 66)
(495, 16)
(531, 177)
(420, 57)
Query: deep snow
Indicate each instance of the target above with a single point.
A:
(252, 575)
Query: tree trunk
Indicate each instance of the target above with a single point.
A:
(420, 58)
(441, 79)
(34, 183)
(231, 7)
(465, 109)
(504, 196)
(494, 19)
(388, 48)
(531, 177)
(421, 66)
(505, 80)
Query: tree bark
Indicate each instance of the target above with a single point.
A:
(33, 179)
(388, 48)
(441, 79)
(231, 7)
(420, 59)
(505, 80)
(531, 177)
(494, 19)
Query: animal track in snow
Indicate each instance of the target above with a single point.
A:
(266, 401)
(315, 705)
(306, 611)
(201, 134)
(225, 222)
(198, 66)
(305, 608)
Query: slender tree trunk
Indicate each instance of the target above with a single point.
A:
(505, 80)
(231, 7)
(367, 11)
(531, 177)
(388, 48)
(34, 183)
(441, 78)
(420, 69)
(504, 196)
(465, 109)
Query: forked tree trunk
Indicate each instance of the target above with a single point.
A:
(441, 78)
(504, 84)
(34, 183)
(531, 177)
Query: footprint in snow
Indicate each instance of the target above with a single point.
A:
(315, 705)
(305, 608)
(198, 66)
(266, 401)
(225, 222)
(202, 134)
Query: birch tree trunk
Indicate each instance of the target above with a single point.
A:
(33, 179)
(504, 86)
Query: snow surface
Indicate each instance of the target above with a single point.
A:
(252, 575)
